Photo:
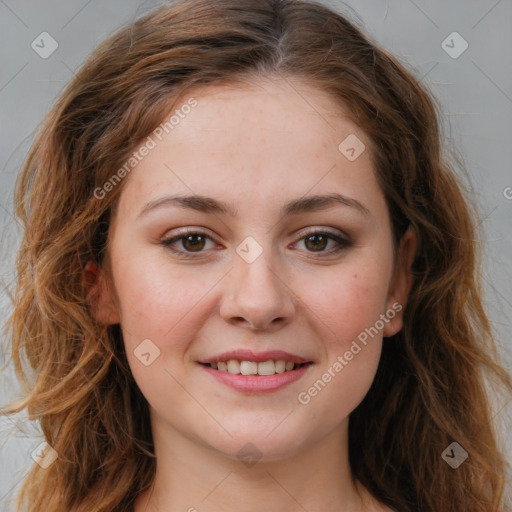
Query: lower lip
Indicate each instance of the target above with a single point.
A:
(257, 383)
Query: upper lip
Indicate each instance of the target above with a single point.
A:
(249, 355)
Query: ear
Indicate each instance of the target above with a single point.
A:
(99, 298)
(401, 282)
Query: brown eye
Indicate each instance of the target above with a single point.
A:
(193, 242)
(316, 242)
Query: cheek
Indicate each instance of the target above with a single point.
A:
(159, 311)
(347, 302)
(349, 309)
(156, 303)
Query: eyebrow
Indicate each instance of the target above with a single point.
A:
(207, 204)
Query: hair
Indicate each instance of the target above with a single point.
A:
(430, 388)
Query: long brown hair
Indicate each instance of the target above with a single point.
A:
(430, 388)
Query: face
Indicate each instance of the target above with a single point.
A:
(289, 260)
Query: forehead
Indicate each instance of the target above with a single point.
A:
(253, 140)
(282, 110)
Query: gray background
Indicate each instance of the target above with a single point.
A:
(474, 89)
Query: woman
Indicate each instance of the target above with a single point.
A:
(248, 278)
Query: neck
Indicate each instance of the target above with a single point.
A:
(196, 478)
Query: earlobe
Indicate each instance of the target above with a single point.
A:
(98, 296)
(402, 282)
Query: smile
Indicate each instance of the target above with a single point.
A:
(252, 377)
(270, 367)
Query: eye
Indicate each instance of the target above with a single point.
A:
(317, 241)
(191, 242)
(194, 242)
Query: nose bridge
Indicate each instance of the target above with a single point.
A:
(256, 292)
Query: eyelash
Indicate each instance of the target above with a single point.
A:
(342, 242)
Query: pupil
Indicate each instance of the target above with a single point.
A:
(195, 237)
(318, 244)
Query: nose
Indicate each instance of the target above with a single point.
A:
(256, 296)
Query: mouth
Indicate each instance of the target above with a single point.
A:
(252, 373)
(262, 369)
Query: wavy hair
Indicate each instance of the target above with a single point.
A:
(430, 388)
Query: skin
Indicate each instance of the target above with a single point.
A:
(256, 146)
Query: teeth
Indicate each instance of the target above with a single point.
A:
(248, 368)
(253, 368)
(266, 368)
(280, 366)
(233, 366)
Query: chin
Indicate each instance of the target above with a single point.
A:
(251, 446)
